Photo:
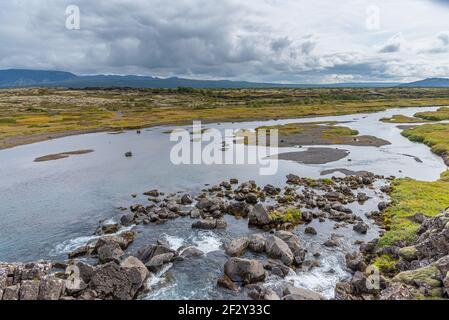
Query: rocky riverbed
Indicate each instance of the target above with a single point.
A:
(105, 267)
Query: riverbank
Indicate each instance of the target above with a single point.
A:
(32, 115)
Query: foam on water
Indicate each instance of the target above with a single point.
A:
(75, 243)
(174, 242)
(322, 279)
(207, 241)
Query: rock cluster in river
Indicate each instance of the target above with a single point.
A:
(117, 274)
(421, 270)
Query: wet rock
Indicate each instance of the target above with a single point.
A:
(128, 154)
(233, 181)
(310, 230)
(221, 224)
(331, 243)
(355, 262)
(293, 293)
(293, 179)
(85, 270)
(361, 227)
(186, 199)
(127, 219)
(238, 209)
(191, 252)
(158, 261)
(258, 216)
(237, 247)
(382, 206)
(195, 213)
(110, 252)
(108, 228)
(251, 198)
(335, 196)
(256, 243)
(29, 290)
(276, 248)
(205, 224)
(152, 193)
(51, 288)
(147, 252)
(260, 293)
(244, 270)
(271, 190)
(81, 251)
(123, 239)
(360, 284)
(362, 197)
(225, 282)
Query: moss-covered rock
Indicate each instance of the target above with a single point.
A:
(429, 277)
(408, 253)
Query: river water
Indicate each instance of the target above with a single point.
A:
(50, 208)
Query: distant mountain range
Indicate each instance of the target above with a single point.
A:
(19, 78)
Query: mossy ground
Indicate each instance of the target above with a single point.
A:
(440, 114)
(409, 197)
(33, 112)
(291, 215)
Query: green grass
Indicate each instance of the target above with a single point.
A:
(409, 197)
(435, 136)
(385, 263)
(399, 118)
(440, 114)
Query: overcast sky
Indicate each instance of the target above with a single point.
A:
(300, 41)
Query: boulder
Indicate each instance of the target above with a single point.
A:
(237, 246)
(191, 252)
(152, 193)
(51, 288)
(186, 199)
(258, 216)
(29, 290)
(221, 224)
(382, 206)
(147, 252)
(11, 292)
(256, 243)
(110, 252)
(361, 227)
(113, 281)
(225, 282)
(244, 270)
(293, 179)
(132, 263)
(127, 219)
(157, 261)
(238, 209)
(396, 291)
(292, 240)
(276, 248)
(408, 253)
(293, 293)
(251, 198)
(205, 224)
(311, 231)
(426, 277)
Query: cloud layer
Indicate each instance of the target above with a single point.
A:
(257, 40)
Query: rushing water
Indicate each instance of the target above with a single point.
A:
(50, 208)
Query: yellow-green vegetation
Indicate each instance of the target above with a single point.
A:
(410, 197)
(399, 118)
(326, 130)
(440, 114)
(385, 263)
(445, 176)
(291, 215)
(35, 114)
(435, 136)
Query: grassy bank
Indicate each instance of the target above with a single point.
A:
(439, 115)
(410, 196)
(29, 115)
(399, 118)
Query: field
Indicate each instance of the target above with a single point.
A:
(30, 115)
